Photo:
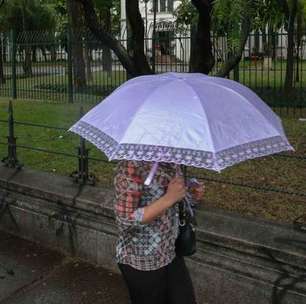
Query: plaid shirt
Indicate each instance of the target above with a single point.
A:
(144, 246)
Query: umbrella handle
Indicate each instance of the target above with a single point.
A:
(151, 174)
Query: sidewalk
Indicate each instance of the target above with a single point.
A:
(31, 274)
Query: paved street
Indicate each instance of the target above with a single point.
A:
(31, 274)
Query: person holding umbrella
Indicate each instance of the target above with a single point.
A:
(171, 119)
(147, 217)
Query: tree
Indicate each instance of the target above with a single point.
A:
(202, 59)
(289, 8)
(300, 32)
(136, 62)
(75, 16)
(24, 16)
(196, 16)
(104, 11)
(234, 20)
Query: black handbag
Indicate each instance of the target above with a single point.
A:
(185, 244)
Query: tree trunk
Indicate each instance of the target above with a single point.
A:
(87, 58)
(255, 50)
(53, 53)
(273, 41)
(106, 51)
(235, 57)
(75, 15)
(136, 26)
(107, 59)
(193, 32)
(265, 47)
(290, 49)
(27, 64)
(2, 78)
(202, 59)
(297, 72)
(299, 44)
(43, 51)
(34, 57)
(108, 39)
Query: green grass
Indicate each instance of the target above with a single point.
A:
(60, 115)
(273, 171)
(266, 81)
(54, 87)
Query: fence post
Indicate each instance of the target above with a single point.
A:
(70, 73)
(11, 160)
(13, 58)
(82, 175)
(236, 72)
(154, 37)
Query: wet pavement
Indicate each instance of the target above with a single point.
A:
(32, 274)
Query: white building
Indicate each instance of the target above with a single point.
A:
(167, 46)
(172, 46)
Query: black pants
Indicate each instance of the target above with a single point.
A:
(168, 285)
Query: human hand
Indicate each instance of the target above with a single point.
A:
(197, 189)
(176, 190)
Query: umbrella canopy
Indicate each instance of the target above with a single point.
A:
(183, 118)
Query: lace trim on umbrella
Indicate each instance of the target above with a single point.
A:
(196, 158)
(263, 147)
(102, 141)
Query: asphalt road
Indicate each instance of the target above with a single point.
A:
(31, 274)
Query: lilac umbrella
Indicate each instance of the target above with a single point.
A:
(183, 118)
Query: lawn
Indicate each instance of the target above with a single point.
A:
(275, 172)
(51, 82)
(52, 86)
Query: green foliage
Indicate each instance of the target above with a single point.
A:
(186, 15)
(26, 15)
(269, 14)
(229, 17)
(301, 16)
(114, 7)
(59, 8)
(104, 4)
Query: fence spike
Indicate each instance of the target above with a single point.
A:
(82, 175)
(11, 160)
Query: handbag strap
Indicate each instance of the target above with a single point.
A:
(182, 213)
(182, 209)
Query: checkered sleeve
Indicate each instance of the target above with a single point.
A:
(128, 190)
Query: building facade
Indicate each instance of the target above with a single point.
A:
(166, 44)
(171, 43)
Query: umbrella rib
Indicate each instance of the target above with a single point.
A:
(208, 127)
(141, 106)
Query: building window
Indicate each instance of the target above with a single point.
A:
(163, 6)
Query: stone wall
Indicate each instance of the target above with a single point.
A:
(239, 260)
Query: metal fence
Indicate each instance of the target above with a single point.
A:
(41, 66)
(15, 146)
(45, 66)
